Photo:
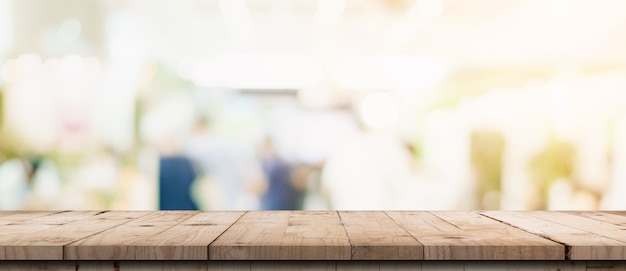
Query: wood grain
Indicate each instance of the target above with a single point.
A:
(583, 245)
(392, 240)
(120, 243)
(47, 244)
(606, 229)
(375, 236)
(188, 240)
(446, 236)
(602, 216)
(8, 217)
(11, 236)
(283, 235)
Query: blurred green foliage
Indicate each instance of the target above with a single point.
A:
(555, 161)
(487, 150)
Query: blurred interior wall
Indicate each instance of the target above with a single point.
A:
(6, 26)
(56, 28)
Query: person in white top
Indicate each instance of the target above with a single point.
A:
(361, 174)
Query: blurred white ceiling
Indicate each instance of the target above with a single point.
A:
(501, 38)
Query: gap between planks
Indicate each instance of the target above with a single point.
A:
(208, 250)
(565, 246)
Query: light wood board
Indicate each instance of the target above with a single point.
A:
(581, 244)
(375, 236)
(11, 235)
(188, 240)
(283, 235)
(120, 243)
(469, 236)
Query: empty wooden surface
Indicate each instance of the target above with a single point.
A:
(283, 235)
(471, 236)
(375, 236)
(312, 235)
(590, 244)
(125, 241)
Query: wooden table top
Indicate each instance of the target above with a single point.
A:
(312, 235)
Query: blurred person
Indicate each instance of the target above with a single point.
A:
(310, 178)
(166, 126)
(13, 185)
(421, 188)
(230, 177)
(176, 175)
(46, 191)
(281, 194)
(361, 174)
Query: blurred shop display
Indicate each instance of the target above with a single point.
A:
(312, 104)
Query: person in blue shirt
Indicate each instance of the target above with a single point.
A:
(280, 193)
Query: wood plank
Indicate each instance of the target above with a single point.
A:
(12, 233)
(283, 235)
(480, 239)
(58, 218)
(188, 240)
(583, 245)
(119, 243)
(607, 217)
(529, 246)
(375, 236)
(8, 217)
(48, 244)
(616, 212)
(586, 223)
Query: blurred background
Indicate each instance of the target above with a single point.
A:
(312, 104)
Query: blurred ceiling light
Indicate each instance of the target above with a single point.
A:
(384, 72)
(69, 31)
(379, 110)
(329, 12)
(237, 15)
(125, 39)
(359, 73)
(399, 36)
(253, 71)
(203, 73)
(429, 9)
(419, 16)
(294, 70)
(405, 72)
(321, 97)
(558, 100)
